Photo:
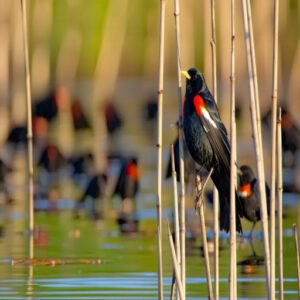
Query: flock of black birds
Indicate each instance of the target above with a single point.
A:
(50, 163)
(206, 145)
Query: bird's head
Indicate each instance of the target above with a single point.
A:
(246, 175)
(194, 80)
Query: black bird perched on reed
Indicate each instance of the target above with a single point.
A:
(207, 141)
(249, 195)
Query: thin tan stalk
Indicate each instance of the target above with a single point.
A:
(233, 289)
(181, 153)
(175, 264)
(257, 142)
(199, 195)
(279, 206)
(215, 191)
(176, 217)
(253, 62)
(297, 256)
(273, 154)
(29, 129)
(159, 147)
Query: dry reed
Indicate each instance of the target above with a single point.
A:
(232, 280)
(255, 121)
(29, 130)
(181, 153)
(279, 206)
(159, 147)
(200, 206)
(273, 154)
(215, 191)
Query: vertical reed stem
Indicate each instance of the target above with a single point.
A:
(253, 62)
(181, 153)
(176, 217)
(159, 147)
(175, 264)
(279, 206)
(255, 120)
(273, 155)
(215, 191)
(199, 189)
(233, 290)
(297, 255)
(29, 128)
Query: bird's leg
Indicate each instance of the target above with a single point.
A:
(251, 231)
(252, 247)
(200, 188)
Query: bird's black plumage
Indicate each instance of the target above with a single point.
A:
(249, 194)
(207, 141)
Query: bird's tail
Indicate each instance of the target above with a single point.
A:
(225, 217)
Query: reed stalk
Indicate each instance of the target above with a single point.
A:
(279, 206)
(273, 154)
(176, 216)
(181, 153)
(215, 191)
(255, 121)
(199, 195)
(175, 264)
(29, 129)
(159, 147)
(233, 288)
(253, 62)
(297, 256)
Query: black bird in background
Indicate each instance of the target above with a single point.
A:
(249, 195)
(128, 182)
(207, 141)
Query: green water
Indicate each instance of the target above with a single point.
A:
(128, 268)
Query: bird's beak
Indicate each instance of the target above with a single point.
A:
(186, 75)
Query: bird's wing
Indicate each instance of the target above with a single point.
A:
(215, 129)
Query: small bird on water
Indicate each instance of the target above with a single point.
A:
(207, 141)
(249, 195)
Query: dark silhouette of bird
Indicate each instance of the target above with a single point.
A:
(51, 159)
(17, 136)
(112, 117)
(249, 195)
(80, 121)
(46, 107)
(5, 169)
(128, 182)
(150, 109)
(94, 191)
(207, 141)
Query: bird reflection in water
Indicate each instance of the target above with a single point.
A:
(249, 265)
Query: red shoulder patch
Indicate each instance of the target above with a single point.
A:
(199, 104)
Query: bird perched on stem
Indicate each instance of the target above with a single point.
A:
(249, 196)
(207, 141)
